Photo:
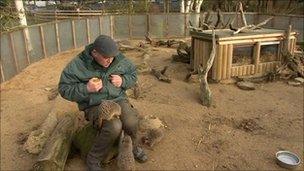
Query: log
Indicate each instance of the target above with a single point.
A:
(206, 96)
(55, 153)
(161, 77)
(38, 138)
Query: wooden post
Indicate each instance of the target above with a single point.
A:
(2, 73)
(148, 24)
(42, 41)
(256, 56)
(111, 27)
(100, 25)
(88, 30)
(57, 37)
(26, 47)
(13, 51)
(229, 62)
(73, 33)
(167, 26)
(185, 24)
(130, 26)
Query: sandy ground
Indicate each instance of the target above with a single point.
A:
(197, 138)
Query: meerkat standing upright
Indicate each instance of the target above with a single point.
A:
(125, 159)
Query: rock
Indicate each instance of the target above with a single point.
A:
(293, 83)
(299, 79)
(149, 123)
(245, 85)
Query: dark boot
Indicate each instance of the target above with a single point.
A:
(103, 143)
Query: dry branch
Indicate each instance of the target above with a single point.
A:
(160, 75)
(205, 97)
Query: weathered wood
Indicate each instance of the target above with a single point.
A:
(57, 37)
(206, 96)
(26, 46)
(73, 33)
(55, 153)
(38, 138)
(2, 74)
(88, 30)
(161, 77)
(42, 41)
(11, 39)
(242, 14)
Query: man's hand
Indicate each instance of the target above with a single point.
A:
(116, 80)
(94, 85)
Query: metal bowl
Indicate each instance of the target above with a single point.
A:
(287, 159)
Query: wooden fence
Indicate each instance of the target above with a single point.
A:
(23, 47)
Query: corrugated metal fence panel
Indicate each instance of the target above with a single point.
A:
(139, 26)
(7, 59)
(176, 25)
(19, 44)
(36, 53)
(94, 28)
(121, 27)
(80, 32)
(65, 35)
(50, 39)
(105, 24)
(280, 22)
(157, 26)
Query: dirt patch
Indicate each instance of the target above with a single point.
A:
(249, 125)
(224, 136)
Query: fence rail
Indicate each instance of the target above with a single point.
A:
(20, 48)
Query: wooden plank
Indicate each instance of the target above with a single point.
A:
(192, 54)
(100, 24)
(57, 37)
(252, 40)
(2, 73)
(219, 62)
(252, 36)
(252, 69)
(88, 30)
(42, 41)
(225, 61)
(229, 60)
(14, 52)
(73, 33)
(27, 53)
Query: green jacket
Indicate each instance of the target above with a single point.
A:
(74, 77)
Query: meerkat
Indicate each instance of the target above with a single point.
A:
(125, 159)
(108, 110)
(153, 136)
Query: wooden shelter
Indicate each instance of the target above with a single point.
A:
(252, 53)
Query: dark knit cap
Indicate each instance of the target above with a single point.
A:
(106, 46)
